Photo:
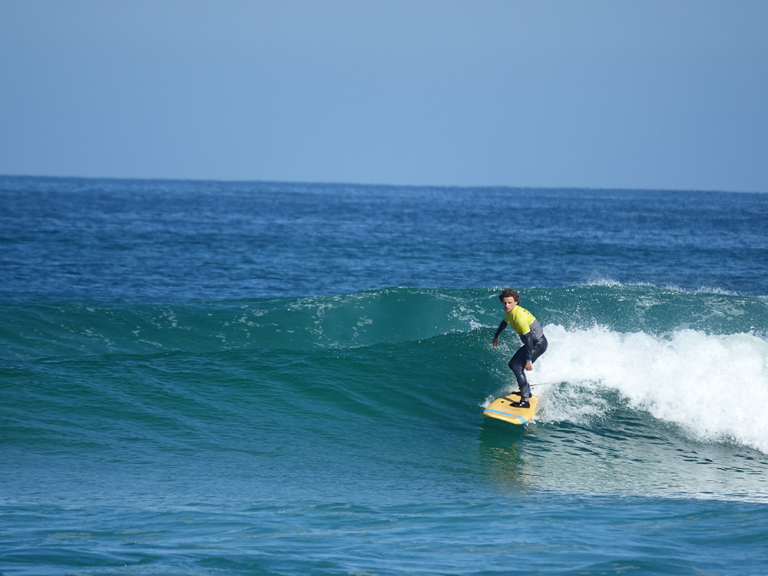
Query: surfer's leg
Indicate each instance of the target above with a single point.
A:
(517, 365)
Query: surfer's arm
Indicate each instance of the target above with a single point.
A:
(500, 329)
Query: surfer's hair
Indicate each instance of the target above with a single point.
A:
(510, 293)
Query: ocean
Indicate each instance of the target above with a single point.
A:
(256, 378)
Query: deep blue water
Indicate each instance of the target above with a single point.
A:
(263, 378)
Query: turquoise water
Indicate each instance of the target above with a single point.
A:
(254, 378)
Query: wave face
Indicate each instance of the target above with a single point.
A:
(639, 383)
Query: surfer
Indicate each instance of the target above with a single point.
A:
(532, 335)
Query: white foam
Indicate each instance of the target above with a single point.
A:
(714, 386)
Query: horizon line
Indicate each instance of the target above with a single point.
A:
(381, 185)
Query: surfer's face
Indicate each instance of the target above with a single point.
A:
(509, 303)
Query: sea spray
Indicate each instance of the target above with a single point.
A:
(714, 386)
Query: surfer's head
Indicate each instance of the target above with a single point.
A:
(510, 293)
(509, 299)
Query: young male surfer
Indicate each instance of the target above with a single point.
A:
(530, 332)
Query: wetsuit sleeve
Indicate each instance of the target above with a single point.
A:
(501, 328)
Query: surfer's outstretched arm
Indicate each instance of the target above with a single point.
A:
(498, 332)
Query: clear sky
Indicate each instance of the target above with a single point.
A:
(661, 94)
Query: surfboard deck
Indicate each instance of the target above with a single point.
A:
(501, 409)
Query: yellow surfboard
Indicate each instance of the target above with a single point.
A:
(501, 409)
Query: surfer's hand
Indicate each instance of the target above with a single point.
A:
(529, 365)
(495, 342)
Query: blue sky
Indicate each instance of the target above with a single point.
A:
(660, 94)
